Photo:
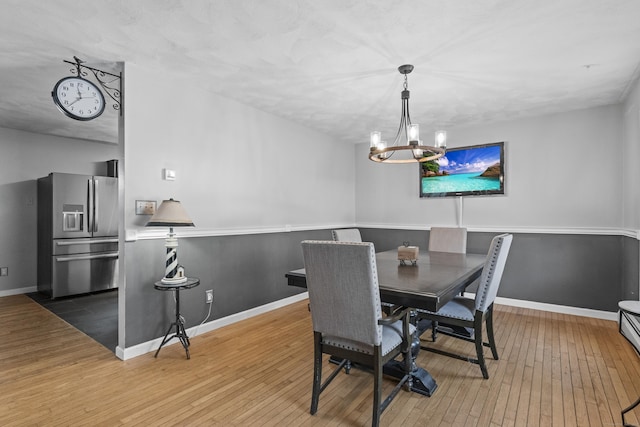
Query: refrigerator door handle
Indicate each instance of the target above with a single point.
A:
(85, 257)
(90, 208)
(86, 241)
(96, 209)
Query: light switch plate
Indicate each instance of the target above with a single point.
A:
(145, 207)
(169, 175)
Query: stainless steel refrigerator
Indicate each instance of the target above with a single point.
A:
(77, 234)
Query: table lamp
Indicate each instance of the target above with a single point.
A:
(171, 214)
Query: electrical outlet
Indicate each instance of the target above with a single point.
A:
(209, 294)
(4, 271)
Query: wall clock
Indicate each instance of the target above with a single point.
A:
(78, 98)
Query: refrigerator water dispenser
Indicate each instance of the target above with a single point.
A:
(72, 216)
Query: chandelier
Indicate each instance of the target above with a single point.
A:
(407, 147)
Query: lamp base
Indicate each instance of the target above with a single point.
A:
(173, 280)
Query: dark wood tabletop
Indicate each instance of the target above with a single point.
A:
(435, 279)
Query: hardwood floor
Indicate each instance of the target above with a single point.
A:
(554, 370)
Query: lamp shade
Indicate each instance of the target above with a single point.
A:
(170, 214)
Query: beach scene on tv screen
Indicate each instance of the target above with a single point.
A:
(474, 169)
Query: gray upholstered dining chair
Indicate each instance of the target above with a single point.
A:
(448, 239)
(342, 280)
(346, 235)
(472, 313)
(353, 235)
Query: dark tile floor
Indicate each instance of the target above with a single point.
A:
(94, 314)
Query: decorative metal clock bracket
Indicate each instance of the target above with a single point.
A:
(103, 78)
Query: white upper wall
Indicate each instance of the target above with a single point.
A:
(562, 171)
(237, 167)
(631, 159)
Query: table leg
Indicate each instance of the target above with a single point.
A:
(181, 333)
(421, 381)
(165, 339)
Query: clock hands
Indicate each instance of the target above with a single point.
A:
(79, 98)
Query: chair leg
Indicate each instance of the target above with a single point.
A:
(377, 390)
(624, 411)
(492, 342)
(317, 374)
(434, 330)
(479, 347)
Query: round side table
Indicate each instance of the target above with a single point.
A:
(180, 333)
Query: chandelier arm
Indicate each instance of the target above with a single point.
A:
(407, 122)
(402, 126)
(377, 155)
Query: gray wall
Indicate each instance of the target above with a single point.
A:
(244, 272)
(630, 268)
(586, 271)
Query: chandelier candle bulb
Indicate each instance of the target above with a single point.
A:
(414, 134)
(381, 146)
(375, 139)
(441, 138)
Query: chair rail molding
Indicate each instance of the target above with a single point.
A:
(151, 234)
(603, 231)
(133, 235)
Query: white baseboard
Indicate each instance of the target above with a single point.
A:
(555, 308)
(18, 291)
(146, 347)
(564, 309)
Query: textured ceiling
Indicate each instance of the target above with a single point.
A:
(330, 64)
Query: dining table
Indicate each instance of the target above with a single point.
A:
(428, 283)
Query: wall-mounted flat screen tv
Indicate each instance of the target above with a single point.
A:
(476, 170)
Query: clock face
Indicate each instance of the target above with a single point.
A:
(78, 98)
